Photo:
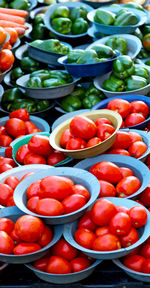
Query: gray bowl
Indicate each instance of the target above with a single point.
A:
(14, 213)
(1, 91)
(70, 229)
(28, 31)
(20, 51)
(33, 4)
(97, 4)
(2, 75)
(7, 79)
(36, 11)
(16, 45)
(46, 93)
(77, 175)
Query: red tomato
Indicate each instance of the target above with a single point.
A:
(122, 124)
(55, 158)
(15, 237)
(80, 263)
(100, 121)
(106, 189)
(119, 151)
(120, 224)
(6, 243)
(104, 131)
(10, 202)
(128, 186)
(5, 193)
(102, 212)
(46, 237)
(102, 231)
(29, 127)
(58, 265)
(41, 264)
(65, 137)
(6, 59)
(130, 238)
(32, 203)
(106, 171)
(26, 248)
(73, 203)
(134, 262)
(6, 225)
(137, 149)
(84, 237)
(140, 107)
(126, 172)
(5, 140)
(82, 127)
(5, 167)
(148, 160)
(145, 251)
(63, 249)
(33, 189)
(9, 161)
(15, 127)
(32, 158)
(3, 130)
(145, 196)
(93, 141)
(49, 207)
(106, 242)
(20, 114)
(134, 136)
(21, 153)
(134, 119)
(12, 181)
(86, 222)
(80, 189)
(75, 144)
(8, 152)
(146, 266)
(57, 187)
(122, 209)
(138, 216)
(26, 175)
(29, 228)
(123, 140)
(39, 144)
(123, 107)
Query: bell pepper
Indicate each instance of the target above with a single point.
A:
(138, 33)
(29, 65)
(50, 45)
(74, 55)
(111, 42)
(89, 57)
(123, 67)
(71, 103)
(39, 18)
(90, 101)
(20, 4)
(104, 17)
(118, 43)
(113, 84)
(62, 25)
(53, 82)
(11, 95)
(147, 62)
(61, 11)
(126, 19)
(92, 90)
(143, 53)
(27, 104)
(146, 42)
(39, 31)
(145, 29)
(135, 82)
(61, 75)
(79, 91)
(134, 6)
(15, 74)
(64, 49)
(42, 105)
(34, 82)
(142, 72)
(104, 51)
(79, 26)
(78, 12)
(3, 4)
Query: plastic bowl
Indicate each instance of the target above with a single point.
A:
(1, 91)
(2, 75)
(33, 4)
(69, 231)
(97, 4)
(14, 213)
(38, 10)
(20, 51)
(133, 42)
(114, 117)
(77, 175)
(139, 169)
(130, 98)
(88, 70)
(16, 45)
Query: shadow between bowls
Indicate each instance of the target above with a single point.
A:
(79, 176)
(69, 231)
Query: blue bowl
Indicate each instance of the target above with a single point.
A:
(130, 98)
(70, 229)
(88, 70)
(139, 169)
(33, 4)
(97, 4)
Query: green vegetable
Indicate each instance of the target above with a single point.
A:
(61, 11)
(34, 82)
(39, 18)
(78, 12)
(145, 29)
(135, 82)
(147, 62)
(90, 101)
(126, 19)
(42, 105)
(51, 45)
(20, 4)
(29, 65)
(134, 6)
(79, 26)
(138, 33)
(64, 49)
(71, 103)
(61, 75)
(92, 90)
(11, 95)
(62, 25)
(104, 51)
(142, 72)
(42, 74)
(79, 91)
(89, 57)
(74, 55)
(16, 73)
(104, 17)
(53, 82)
(27, 104)
(143, 53)
(39, 31)
(123, 67)
(118, 43)
(3, 3)
(113, 84)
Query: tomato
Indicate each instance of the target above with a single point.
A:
(29, 127)
(80, 189)
(58, 265)
(7, 161)
(122, 209)
(49, 207)
(122, 124)
(102, 231)
(26, 248)
(140, 107)
(5, 193)
(26, 175)
(6, 59)
(29, 228)
(137, 149)
(135, 251)
(13, 34)
(21, 114)
(32, 158)
(15, 127)
(8, 152)
(146, 266)
(39, 144)
(6, 243)
(10, 202)
(104, 131)
(41, 264)
(63, 249)
(3, 130)
(86, 222)
(55, 158)
(15, 237)
(5, 167)
(75, 144)
(84, 237)
(46, 237)
(65, 137)
(3, 35)
(5, 140)
(128, 186)
(148, 160)
(7, 45)
(120, 224)
(21, 153)
(134, 262)
(102, 212)
(138, 216)
(123, 107)
(145, 196)
(106, 189)
(119, 151)
(134, 119)
(12, 181)
(129, 239)
(93, 141)
(73, 203)
(134, 136)
(82, 127)
(80, 263)
(146, 42)
(6, 225)
(123, 140)
(126, 172)
(32, 203)
(57, 187)
(33, 189)
(100, 121)
(106, 171)
(106, 242)
(145, 251)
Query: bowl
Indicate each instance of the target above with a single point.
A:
(110, 29)
(2, 75)
(133, 42)
(114, 117)
(130, 98)
(14, 213)
(16, 45)
(20, 51)
(139, 169)
(46, 93)
(1, 91)
(69, 231)
(2, 267)
(28, 31)
(77, 175)
(70, 5)
(33, 4)
(36, 11)
(97, 4)
(7, 39)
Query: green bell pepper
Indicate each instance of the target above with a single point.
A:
(34, 82)
(113, 84)
(142, 72)
(39, 31)
(39, 18)
(71, 103)
(53, 82)
(89, 57)
(3, 4)
(78, 12)
(92, 90)
(27, 104)
(147, 62)
(20, 4)
(143, 53)
(123, 67)
(15, 74)
(61, 11)
(39, 72)
(104, 51)
(62, 25)
(79, 91)
(42, 105)
(60, 75)
(64, 49)
(50, 45)
(138, 33)
(79, 26)
(11, 95)
(74, 55)
(118, 43)
(145, 29)
(104, 17)
(135, 82)
(126, 19)
(29, 65)
(90, 101)
(134, 6)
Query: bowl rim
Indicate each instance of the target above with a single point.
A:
(126, 269)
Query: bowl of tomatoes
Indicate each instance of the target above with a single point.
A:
(66, 193)
(20, 242)
(115, 228)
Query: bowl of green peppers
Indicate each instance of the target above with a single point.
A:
(23, 4)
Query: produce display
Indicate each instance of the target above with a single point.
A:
(51, 45)
(118, 43)
(17, 4)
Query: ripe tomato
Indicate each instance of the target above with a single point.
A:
(127, 186)
(102, 212)
(6, 243)
(57, 187)
(63, 249)
(7, 45)
(5, 193)
(33, 189)
(134, 136)
(140, 107)
(29, 127)
(21, 153)
(138, 216)
(41, 264)
(3, 35)
(134, 119)
(9, 161)
(123, 107)
(84, 237)
(75, 144)
(15, 237)
(6, 225)
(32, 203)
(106, 189)
(130, 238)
(134, 262)
(104, 131)
(26, 175)
(5, 167)
(39, 144)
(15, 127)
(46, 237)
(10, 202)
(73, 203)
(65, 137)
(100, 121)
(12, 181)
(145, 196)
(21, 114)
(122, 209)
(49, 207)
(145, 251)
(80, 263)
(119, 151)
(123, 140)
(6, 59)
(26, 248)
(122, 124)
(102, 231)
(86, 222)
(148, 160)
(32, 158)
(106, 242)
(137, 149)
(120, 224)
(55, 158)
(3, 130)
(82, 127)
(58, 265)
(8, 152)
(126, 172)
(93, 141)
(13, 34)
(5, 140)
(29, 228)
(106, 171)
(80, 189)
(146, 266)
